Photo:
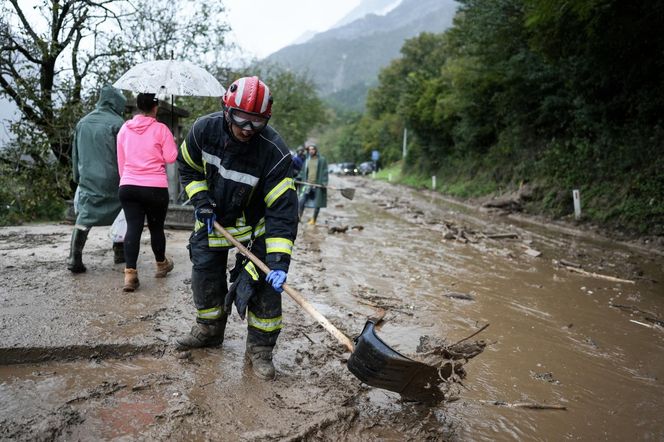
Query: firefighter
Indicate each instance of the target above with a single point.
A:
(237, 170)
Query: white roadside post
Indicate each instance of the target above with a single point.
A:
(404, 149)
(433, 182)
(576, 195)
(389, 177)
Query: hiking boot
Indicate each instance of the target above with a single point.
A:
(203, 335)
(75, 260)
(163, 267)
(260, 359)
(118, 253)
(131, 282)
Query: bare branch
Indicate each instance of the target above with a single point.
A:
(26, 25)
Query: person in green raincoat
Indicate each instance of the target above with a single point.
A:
(315, 172)
(95, 170)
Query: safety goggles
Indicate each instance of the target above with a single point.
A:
(247, 120)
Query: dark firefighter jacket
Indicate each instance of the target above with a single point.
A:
(250, 185)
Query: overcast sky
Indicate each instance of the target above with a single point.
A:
(262, 27)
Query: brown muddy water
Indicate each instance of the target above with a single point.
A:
(80, 360)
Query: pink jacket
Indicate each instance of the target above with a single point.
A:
(145, 146)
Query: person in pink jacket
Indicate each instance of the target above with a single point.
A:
(145, 146)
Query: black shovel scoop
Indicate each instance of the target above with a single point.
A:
(371, 360)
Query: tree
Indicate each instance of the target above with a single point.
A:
(297, 110)
(55, 56)
(52, 60)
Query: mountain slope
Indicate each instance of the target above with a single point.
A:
(367, 7)
(350, 56)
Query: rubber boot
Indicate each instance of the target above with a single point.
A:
(204, 335)
(131, 281)
(260, 359)
(118, 253)
(163, 267)
(75, 260)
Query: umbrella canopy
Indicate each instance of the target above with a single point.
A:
(170, 77)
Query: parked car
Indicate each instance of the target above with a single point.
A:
(334, 168)
(348, 169)
(367, 167)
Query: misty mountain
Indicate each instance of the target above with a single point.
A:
(379, 7)
(344, 61)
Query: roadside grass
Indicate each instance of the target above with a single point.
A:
(631, 206)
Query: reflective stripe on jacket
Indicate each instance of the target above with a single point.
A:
(250, 185)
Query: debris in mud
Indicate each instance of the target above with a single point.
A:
(336, 229)
(647, 316)
(460, 296)
(452, 232)
(105, 389)
(546, 376)
(358, 227)
(570, 263)
(449, 359)
(532, 252)
(501, 235)
(529, 405)
(592, 274)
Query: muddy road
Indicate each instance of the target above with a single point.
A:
(575, 322)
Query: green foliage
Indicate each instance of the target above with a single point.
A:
(560, 95)
(30, 190)
(297, 110)
(55, 57)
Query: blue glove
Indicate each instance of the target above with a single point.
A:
(205, 214)
(276, 279)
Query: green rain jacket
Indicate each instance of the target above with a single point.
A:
(321, 178)
(95, 161)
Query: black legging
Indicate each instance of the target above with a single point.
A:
(137, 202)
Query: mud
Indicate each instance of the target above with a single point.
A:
(81, 360)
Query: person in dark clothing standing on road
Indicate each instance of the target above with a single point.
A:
(298, 163)
(145, 146)
(95, 169)
(237, 170)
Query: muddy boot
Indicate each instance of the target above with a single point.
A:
(260, 359)
(131, 282)
(203, 335)
(118, 252)
(163, 267)
(75, 260)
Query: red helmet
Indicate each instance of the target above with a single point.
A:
(250, 95)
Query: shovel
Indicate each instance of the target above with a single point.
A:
(346, 192)
(371, 360)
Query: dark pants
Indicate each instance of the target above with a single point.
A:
(209, 287)
(138, 203)
(308, 195)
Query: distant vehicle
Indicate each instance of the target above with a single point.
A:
(348, 169)
(334, 168)
(367, 167)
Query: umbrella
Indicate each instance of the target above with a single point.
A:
(170, 77)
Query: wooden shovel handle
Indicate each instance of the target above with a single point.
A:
(294, 294)
(306, 183)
